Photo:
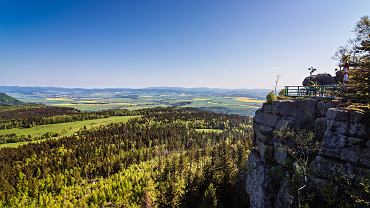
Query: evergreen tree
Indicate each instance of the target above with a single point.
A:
(357, 54)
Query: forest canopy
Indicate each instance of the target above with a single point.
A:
(166, 157)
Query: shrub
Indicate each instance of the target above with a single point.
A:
(282, 92)
(271, 97)
(282, 96)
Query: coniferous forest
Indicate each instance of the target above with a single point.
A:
(184, 104)
(164, 157)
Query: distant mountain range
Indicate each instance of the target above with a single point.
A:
(255, 93)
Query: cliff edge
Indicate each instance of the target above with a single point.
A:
(344, 149)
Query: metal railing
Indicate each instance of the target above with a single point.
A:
(325, 91)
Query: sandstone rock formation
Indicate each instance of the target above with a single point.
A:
(345, 148)
(320, 79)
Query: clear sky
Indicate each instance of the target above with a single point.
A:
(184, 43)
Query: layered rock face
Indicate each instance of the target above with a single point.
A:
(345, 148)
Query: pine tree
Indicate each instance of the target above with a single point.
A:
(358, 87)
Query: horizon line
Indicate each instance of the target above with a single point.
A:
(136, 88)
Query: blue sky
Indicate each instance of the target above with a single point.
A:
(184, 43)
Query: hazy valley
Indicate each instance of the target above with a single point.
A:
(237, 101)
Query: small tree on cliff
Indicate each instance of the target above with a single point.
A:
(357, 54)
(302, 147)
(271, 97)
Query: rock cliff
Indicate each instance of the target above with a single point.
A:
(344, 148)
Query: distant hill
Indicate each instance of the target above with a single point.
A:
(124, 92)
(8, 100)
(230, 101)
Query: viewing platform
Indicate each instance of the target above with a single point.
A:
(324, 91)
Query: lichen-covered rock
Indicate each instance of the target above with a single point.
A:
(323, 106)
(265, 150)
(325, 168)
(285, 113)
(269, 151)
(259, 182)
(320, 127)
(344, 150)
(280, 153)
(284, 198)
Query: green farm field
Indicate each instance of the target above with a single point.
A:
(63, 129)
(242, 102)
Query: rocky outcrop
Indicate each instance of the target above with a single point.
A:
(320, 79)
(344, 149)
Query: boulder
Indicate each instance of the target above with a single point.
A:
(320, 79)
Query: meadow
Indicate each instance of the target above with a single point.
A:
(62, 129)
(236, 105)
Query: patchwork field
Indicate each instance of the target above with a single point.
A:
(243, 102)
(234, 105)
(249, 100)
(59, 99)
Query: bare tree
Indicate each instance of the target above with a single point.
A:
(303, 151)
(276, 82)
